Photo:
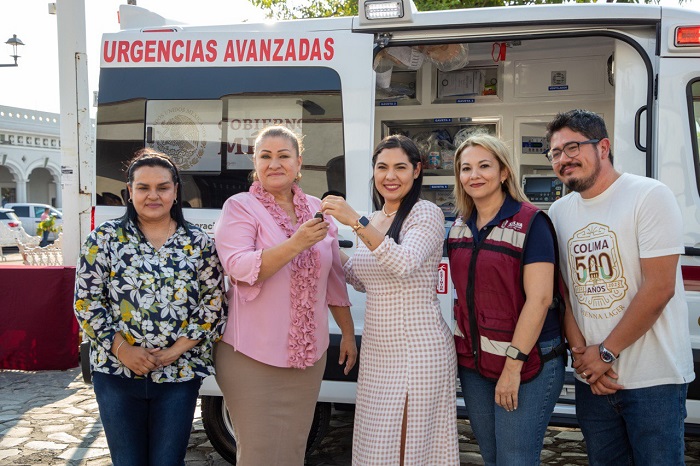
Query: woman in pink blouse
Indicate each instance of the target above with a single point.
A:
(286, 272)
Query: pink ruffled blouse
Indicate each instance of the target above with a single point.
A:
(263, 322)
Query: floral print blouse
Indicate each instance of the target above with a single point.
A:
(152, 297)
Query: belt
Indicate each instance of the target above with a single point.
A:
(555, 353)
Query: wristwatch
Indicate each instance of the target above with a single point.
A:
(361, 223)
(514, 353)
(606, 355)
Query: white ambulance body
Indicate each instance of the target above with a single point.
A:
(201, 94)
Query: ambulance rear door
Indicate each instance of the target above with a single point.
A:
(677, 160)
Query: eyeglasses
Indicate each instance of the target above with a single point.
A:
(572, 149)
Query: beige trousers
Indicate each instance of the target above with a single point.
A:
(271, 408)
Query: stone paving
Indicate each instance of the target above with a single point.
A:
(50, 418)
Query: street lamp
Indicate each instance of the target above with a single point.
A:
(13, 42)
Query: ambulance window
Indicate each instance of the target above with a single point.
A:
(208, 119)
(694, 95)
(316, 117)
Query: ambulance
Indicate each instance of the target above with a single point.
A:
(202, 94)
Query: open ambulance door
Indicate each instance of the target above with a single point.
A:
(679, 127)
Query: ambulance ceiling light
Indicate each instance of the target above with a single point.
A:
(383, 9)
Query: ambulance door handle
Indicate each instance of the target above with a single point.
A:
(149, 134)
(637, 128)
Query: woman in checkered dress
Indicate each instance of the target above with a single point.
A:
(406, 405)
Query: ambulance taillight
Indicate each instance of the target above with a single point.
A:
(687, 36)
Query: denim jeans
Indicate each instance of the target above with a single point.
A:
(637, 426)
(146, 423)
(44, 239)
(516, 437)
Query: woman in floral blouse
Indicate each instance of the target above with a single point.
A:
(149, 297)
(285, 265)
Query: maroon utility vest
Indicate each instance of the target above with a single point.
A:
(489, 301)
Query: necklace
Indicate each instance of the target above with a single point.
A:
(388, 215)
(161, 243)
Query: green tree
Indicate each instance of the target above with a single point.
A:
(284, 9)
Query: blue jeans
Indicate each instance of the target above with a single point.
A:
(637, 426)
(44, 239)
(516, 437)
(146, 423)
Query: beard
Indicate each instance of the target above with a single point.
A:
(583, 184)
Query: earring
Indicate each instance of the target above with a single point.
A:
(255, 176)
(175, 202)
(298, 177)
(130, 201)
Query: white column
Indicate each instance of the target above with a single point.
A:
(21, 188)
(77, 159)
(59, 191)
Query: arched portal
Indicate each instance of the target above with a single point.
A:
(42, 187)
(8, 184)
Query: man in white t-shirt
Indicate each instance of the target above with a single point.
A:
(620, 237)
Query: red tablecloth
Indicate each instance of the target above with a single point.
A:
(38, 330)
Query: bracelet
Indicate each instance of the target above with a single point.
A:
(119, 347)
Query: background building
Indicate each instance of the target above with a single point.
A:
(30, 156)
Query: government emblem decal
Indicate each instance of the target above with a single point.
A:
(182, 135)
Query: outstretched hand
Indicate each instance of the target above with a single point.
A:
(340, 210)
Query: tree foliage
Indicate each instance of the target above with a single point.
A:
(286, 9)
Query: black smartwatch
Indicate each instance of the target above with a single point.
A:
(361, 223)
(514, 353)
(606, 355)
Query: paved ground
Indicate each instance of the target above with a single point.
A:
(51, 418)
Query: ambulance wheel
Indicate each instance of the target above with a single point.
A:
(219, 429)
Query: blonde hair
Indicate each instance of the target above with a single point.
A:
(464, 204)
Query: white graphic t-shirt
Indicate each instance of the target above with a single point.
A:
(601, 241)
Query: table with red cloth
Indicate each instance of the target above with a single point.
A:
(38, 330)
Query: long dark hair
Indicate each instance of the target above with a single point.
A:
(411, 150)
(152, 158)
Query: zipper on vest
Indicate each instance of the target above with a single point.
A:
(471, 300)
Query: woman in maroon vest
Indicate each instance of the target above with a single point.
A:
(508, 334)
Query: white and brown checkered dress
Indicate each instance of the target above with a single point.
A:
(407, 349)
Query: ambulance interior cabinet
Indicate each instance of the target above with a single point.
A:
(397, 86)
(530, 145)
(473, 83)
